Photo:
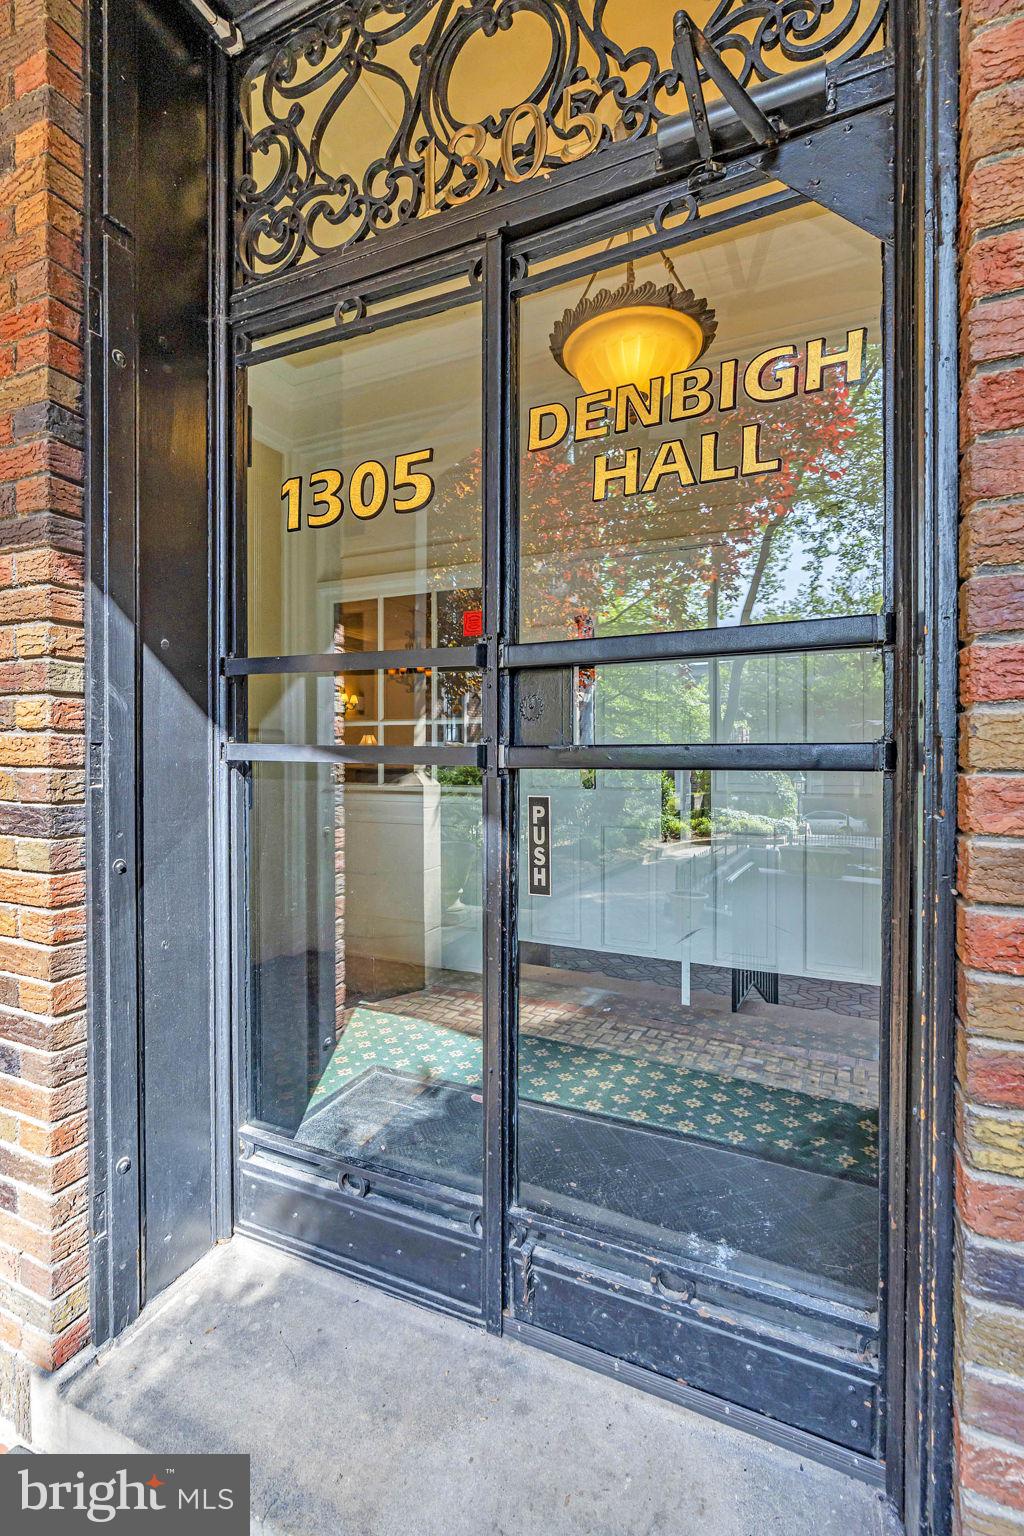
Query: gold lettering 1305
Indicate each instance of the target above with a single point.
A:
(368, 490)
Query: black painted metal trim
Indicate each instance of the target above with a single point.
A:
(350, 1174)
(776, 1433)
(834, 756)
(299, 1210)
(826, 1391)
(865, 630)
(533, 1219)
(927, 321)
(115, 1190)
(419, 309)
(498, 371)
(897, 793)
(456, 658)
(603, 222)
(225, 1055)
(303, 752)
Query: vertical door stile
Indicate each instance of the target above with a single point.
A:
(496, 388)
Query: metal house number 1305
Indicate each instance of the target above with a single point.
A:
(470, 141)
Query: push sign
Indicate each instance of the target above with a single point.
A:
(538, 815)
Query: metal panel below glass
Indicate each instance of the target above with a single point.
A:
(692, 1345)
(428, 1257)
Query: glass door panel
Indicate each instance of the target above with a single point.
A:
(364, 893)
(698, 1053)
(364, 489)
(744, 485)
(366, 1001)
(699, 809)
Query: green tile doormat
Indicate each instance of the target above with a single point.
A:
(797, 1128)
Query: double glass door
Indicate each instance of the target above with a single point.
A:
(558, 745)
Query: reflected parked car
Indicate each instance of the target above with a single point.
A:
(826, 823)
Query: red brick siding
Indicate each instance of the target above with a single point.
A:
(43, 1204)
(990, 927)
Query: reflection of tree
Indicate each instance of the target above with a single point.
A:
(685, 558)
(800, 542)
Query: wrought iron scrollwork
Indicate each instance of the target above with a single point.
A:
(296, 201)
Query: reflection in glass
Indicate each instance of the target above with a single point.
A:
(699, 1018)
(366, 956)
(812, 696)
(423, 707)
(392, 578)
(411, 705)
(748, 488)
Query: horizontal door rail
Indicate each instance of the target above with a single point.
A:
(362, 325)
(352, 1177)
(667, 238)
(445, 658)
(662, 1257)
(867, 629)
(848, 756)
(281, 752)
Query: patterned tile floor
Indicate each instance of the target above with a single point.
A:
(804, 1129)
(811, 1050)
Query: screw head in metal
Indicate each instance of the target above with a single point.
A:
(120, 867)
(118, 358)
(123, 1164)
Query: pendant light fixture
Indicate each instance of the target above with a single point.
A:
(631, 335)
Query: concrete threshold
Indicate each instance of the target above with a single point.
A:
(368, 1416)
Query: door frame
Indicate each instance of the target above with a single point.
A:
(918, 1463)
(494, 250)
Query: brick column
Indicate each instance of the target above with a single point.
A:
(990, 1108)
(43, 1191)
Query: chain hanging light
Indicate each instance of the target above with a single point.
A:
(632, 335)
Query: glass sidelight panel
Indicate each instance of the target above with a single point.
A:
(698, 1049)
(700, 434)
(366, 958)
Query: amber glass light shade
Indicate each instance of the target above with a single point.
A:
(632, 346)
(632, 335)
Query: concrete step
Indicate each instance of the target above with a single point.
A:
(367, 1416)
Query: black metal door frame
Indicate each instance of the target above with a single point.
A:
(918, 1459)
(651, 1322)
(503, 273)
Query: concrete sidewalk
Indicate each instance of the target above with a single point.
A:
(366, 1416)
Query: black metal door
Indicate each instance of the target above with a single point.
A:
(697, 735)
(561, 804)
(361, 695)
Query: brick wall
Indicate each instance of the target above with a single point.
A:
(990, 1107)
(43, 1195)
